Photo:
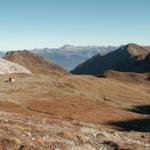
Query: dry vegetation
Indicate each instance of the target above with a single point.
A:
(36, 133)
(72, 112)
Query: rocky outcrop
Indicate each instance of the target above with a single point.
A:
(7, 67)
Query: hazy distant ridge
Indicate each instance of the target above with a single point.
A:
(70, 56)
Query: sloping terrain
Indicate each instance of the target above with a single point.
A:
(36, 133)
(73, 112)
(36, 64)
(52, 109)
(75, 97)
(144, 65)
(7, 67)
(125, 59)
(126, 76)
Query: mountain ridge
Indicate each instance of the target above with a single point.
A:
(35, 63)
(123, 59)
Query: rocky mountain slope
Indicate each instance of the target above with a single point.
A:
(125, 59)
(35, 63)
(7, 67)
(143, 66)
(34, 133)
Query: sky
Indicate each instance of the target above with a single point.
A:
(28, 24)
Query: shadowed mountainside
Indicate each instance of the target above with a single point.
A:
(129, 58)
(144, 65)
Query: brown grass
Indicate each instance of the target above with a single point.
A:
(83, 98)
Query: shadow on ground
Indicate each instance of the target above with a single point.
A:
(142, 109)
(139, 125)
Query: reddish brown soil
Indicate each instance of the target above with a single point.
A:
(71, 108)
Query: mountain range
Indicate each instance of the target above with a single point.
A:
(2, 53)
(70, 56)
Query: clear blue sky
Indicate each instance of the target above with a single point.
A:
(27, 24)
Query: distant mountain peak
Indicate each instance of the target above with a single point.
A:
(67, 46)
(132, 45)
(136, 50)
